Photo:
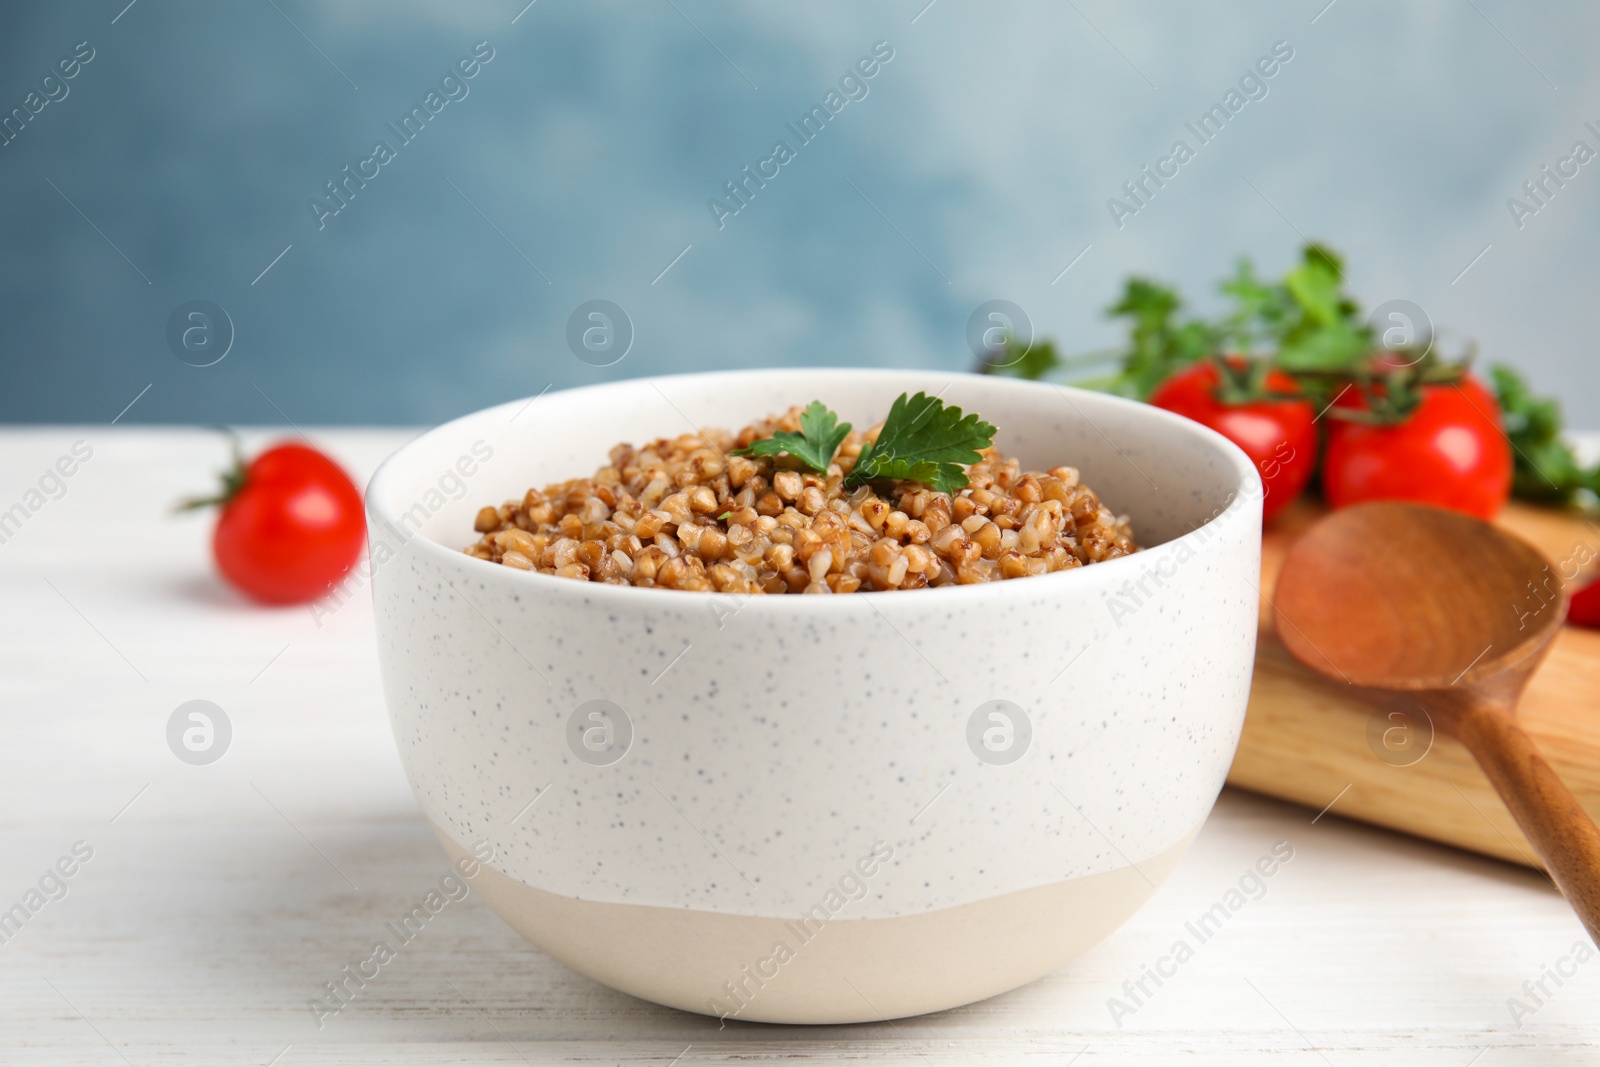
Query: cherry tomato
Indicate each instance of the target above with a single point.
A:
(1584, 607)
(1279, 436)
(1450, 453)
(291, 525)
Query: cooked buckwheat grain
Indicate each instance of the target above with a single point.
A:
(681, 513)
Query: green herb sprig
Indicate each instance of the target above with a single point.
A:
(821, 434)
(923, 440)
(1158, 341)
(1545, 468)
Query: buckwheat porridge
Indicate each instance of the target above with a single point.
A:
(798, 503)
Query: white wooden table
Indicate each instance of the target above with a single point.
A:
(220, 898)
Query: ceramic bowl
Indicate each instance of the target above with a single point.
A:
(818, 809)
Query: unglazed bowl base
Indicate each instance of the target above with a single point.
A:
(848, 971)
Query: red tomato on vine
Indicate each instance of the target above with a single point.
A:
(291, 524)
(1276, 427)
(1448, 451)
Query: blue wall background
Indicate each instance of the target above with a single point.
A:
(182, 158)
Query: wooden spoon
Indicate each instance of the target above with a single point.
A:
(1404, 598)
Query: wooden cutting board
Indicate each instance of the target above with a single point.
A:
(1308, 741)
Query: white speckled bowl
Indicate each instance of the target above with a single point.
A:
(779, 815)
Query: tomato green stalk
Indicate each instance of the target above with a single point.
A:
(1392, 391)
(233, 479)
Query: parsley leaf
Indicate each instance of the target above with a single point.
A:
(924, 440)
(1326, 334)
(1544, 467)
(1260, 314)
(1158, 343)
(1016, 360)
(819, 438)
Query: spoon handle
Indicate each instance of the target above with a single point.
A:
(1550, 816)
